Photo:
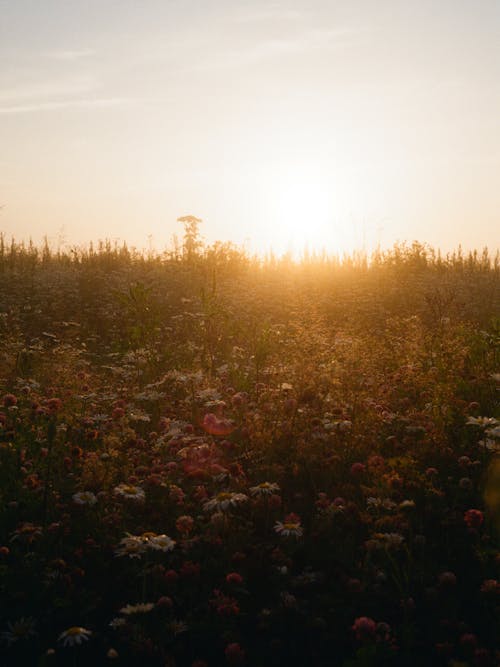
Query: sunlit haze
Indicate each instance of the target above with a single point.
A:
(337, 125)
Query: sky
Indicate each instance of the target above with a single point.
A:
(336, 124)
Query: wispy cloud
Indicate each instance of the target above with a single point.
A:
(270, 13)
(43, 91)
(71, 54)
(97, 103)
(267, 49)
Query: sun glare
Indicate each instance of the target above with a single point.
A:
(304, 215)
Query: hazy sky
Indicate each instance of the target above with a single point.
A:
(336, 122)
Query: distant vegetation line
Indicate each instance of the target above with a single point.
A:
(192, 250)
(123, 300)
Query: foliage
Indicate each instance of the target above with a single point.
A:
(319, 439)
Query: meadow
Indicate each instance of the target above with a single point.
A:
(211, 459)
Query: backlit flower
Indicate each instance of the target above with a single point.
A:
(19, 630)
(130, 492)
(132, 546)
(482, 422)
(224, 500)
(84, 498)
(364, 628)
(161, 543)
(74, 636)
(473, 518)
(27, 532)
(264, 489)
(290, 527)
(140, 608)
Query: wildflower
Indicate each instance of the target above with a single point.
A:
(184, 524)
(490, 586)
(176, 494)
(74, 636)
(290, 527)
(224, 605)
(165, 601)
(84, 498)
(323, 502)
(9, 400)
(489, 444)
(215, 426)
(373, 502)
(19, 630)
(234, 578)
(387, 540)
(338, 505)
(139, 608)
(117, 623)
(447, 579)
(118, 413)
(54, 404)
(392, 539)
(493, 432)
(235, 655)
(364, 628)
(482, 422)
(357, 469)
(376, 462)
(407, 505)
(383, 631)
(161, 543)
(190, 569)
(468, 640)
(264, 489)
(289, 601)
(177, 627)
(171, 576)
(27, 532)
(473, 518)
(225, 500)
(130, 492)
(139, 416)
(132, 546)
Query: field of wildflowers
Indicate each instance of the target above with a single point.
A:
(210, 460)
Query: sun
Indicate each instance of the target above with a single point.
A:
(304, 218)
(302, 213)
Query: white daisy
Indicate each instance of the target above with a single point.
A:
(288, 528)
(224, 500)
(139, 608)
(161, 543)
(132, 546)
(130, 492)
(264, 489)
(483, 422)
(74, 636)
(84, 498)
